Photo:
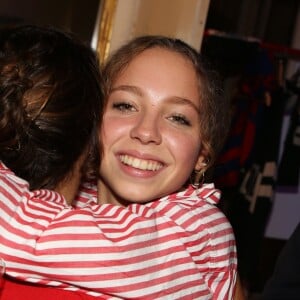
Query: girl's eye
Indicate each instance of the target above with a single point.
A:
(123, 107)
(181, 120)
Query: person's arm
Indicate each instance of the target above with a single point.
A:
(106, 249)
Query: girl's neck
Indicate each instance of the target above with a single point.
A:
(69, 186)
(105, 195)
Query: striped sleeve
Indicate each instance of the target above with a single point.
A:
(179, 247)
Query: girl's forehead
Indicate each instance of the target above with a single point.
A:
(156, 56)
(160, 60)
(162, 73)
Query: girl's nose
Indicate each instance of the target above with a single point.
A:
(146, 130)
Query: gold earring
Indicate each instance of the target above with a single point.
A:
(198, 177)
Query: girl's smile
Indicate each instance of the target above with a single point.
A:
(141, 164)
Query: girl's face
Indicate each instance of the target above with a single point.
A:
(150, 131)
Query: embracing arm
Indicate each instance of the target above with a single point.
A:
(103, 249)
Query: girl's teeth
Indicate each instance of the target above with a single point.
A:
(140, 163)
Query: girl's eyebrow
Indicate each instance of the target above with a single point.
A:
(185, 101)
(128, 88)
(137, 91)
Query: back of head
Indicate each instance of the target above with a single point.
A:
(214, 114)
(50, 102)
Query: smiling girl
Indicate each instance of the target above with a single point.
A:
(153, 236)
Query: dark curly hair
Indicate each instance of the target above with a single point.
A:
(51, 103)
(214, 108)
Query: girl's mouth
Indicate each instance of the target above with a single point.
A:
(141, 164)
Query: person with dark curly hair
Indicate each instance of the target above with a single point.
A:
(51, 104)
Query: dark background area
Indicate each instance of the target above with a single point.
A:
(272, 21)
(249, 42)
(78, 16)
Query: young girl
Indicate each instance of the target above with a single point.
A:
(163, 118)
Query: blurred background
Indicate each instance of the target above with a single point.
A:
(255, 46)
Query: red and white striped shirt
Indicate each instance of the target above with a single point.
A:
(178, 247)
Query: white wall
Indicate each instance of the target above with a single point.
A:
(184, 19)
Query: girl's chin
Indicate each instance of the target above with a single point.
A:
(140, 198)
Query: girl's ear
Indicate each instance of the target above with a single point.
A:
(199, 171)
(201, 163)
(203, 159)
